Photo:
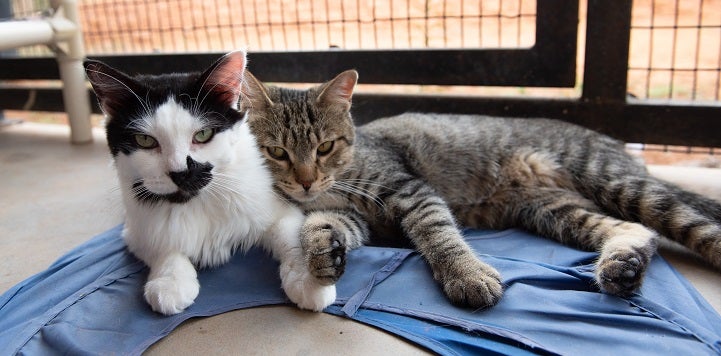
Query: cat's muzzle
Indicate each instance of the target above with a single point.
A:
(189, 183)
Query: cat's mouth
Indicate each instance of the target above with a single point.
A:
(143, 194)
(188, 183)
(303, 196)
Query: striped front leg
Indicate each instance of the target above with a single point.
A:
(429, 224)
(326, 236)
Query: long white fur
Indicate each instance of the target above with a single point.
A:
(235, 211)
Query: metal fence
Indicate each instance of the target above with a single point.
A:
(170, 26)
(675, 50)
(645, 72)
(280, 25)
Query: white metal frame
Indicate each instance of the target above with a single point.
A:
(62, 33)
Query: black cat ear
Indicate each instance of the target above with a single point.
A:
(339, 91)
(113, 88)
(255, 94)
(223, 79)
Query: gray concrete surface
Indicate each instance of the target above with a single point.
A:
(56, 196)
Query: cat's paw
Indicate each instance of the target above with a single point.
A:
(308, 294)
(169, 295)
(621, 272)
(475, 288)
(325, 249)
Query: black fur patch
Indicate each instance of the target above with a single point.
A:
(126, 100)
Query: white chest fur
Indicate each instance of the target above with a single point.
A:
(231, 212)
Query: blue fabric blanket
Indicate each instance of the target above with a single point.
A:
(90, 301)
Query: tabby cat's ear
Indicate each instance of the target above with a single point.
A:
(224, 77)
(339, 90)
(113, 88)
(255, 94)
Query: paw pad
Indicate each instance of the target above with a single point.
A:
(621, 273)
(326, 255)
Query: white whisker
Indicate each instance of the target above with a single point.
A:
(366, 182)
(359, 191)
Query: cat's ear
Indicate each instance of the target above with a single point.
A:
(223, 79)
(113, 88)
(338, 91)
(255, 94)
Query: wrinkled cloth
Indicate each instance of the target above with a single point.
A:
(90, 301)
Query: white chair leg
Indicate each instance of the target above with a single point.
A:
(70, 54)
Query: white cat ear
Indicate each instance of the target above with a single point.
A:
(254, 93)
(223, 79)
(112, 87)
(339, 90)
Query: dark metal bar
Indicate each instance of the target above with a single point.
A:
(555, 47)
(459, 67)
(645, 122)
(32, 99)
(608, 33)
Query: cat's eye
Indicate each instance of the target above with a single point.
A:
(277, 152)
(203, 136)
(146, 141)
(325, 148)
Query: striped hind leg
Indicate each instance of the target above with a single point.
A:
(625, 248)
(687, 218)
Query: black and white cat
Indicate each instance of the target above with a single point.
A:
(193, 181)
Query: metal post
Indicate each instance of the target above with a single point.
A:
(6, 12)
(70, 56)
(608, 30)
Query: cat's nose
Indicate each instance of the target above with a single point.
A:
(195, 177)
(305, 175)
(306, 184)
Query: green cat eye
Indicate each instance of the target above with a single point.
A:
(325, 147)
(146, 141)
(277, 152)
(203, 136)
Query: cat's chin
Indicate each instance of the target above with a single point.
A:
(303, 197)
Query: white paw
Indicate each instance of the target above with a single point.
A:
(168, 295)
(308, 294)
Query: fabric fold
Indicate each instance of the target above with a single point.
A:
(355, 301)
(90, 301)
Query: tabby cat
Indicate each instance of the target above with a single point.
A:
(419, 176)
(194, 185)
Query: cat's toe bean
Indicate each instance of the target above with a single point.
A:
(326, 255)
(167, 295)
(621, 272)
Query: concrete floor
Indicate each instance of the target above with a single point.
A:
(56, 195)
